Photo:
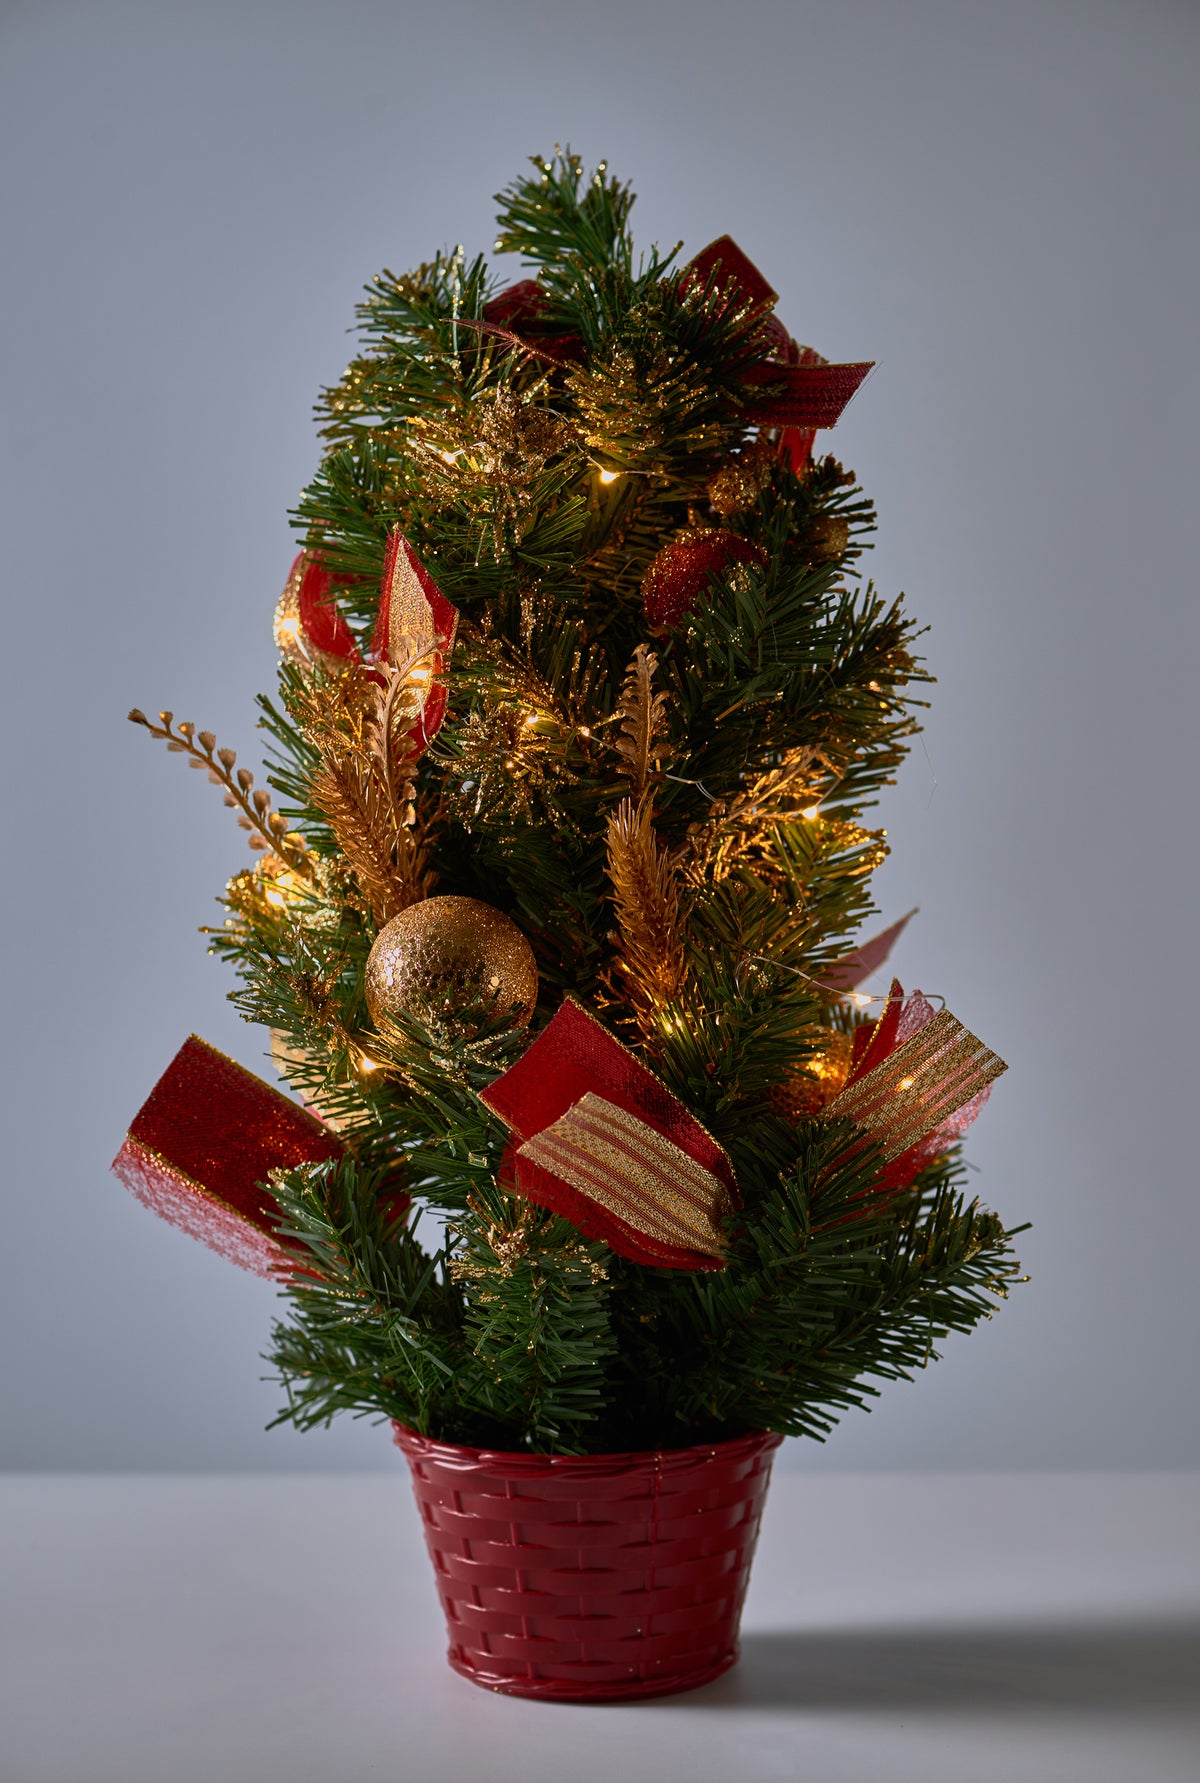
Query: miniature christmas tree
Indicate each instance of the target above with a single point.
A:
(584, 707)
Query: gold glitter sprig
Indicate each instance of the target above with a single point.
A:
(642, 720)
(737, 826)
(266, 828)
(361, 724)
(348, 794)
(650, 925)
(497, 1252)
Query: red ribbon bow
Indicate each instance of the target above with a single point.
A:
(599, 1139)
(805, 392)
(203, 1144)
(917, 1081)
(801, 391)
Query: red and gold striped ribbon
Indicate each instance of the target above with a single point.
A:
(919, 1085)
(634, 1172)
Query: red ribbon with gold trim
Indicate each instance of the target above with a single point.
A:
(202, 1146)
(599, 1139)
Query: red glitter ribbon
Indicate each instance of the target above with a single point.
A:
(801, 390)
(848, 972)
(809, 395)
(599, 1139)
(202, 1146)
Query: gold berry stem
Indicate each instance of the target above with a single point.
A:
(267, 828)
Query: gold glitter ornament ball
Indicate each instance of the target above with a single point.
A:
(441, 959)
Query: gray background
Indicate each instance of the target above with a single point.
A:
(994, 203)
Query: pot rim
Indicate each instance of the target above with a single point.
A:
(527, 1461)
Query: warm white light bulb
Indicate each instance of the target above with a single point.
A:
(813, 812)
(609, 476)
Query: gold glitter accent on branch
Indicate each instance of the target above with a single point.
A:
(738, 484)
(641, 715)
(361, 724)
(823, 1075)
(645, 884)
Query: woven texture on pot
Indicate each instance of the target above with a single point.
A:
(590, 1577)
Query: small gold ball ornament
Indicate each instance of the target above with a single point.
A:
(444, 957)
(830, 538)
(804, 1095)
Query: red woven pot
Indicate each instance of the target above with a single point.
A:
(596, 1577)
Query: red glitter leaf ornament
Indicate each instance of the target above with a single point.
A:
(847, 973)
(322, 620)
(682, 571)
(599, 1139)
(309, 625)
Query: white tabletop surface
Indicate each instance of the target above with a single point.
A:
(973, 1628)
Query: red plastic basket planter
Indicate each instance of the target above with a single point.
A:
(596, 1577)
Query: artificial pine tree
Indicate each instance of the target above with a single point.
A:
(583, 709)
